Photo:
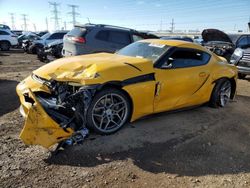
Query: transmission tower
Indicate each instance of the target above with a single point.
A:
(73, 13)
(172, 26)
(47, 24)
(12, 20)
(55, 12)
(24, 18)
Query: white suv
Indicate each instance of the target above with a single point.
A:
(7, 39)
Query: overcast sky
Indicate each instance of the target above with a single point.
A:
(226, 15)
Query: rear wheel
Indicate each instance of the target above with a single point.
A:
(5, 45)
(109, 111)
(221, 93)
(241, 76)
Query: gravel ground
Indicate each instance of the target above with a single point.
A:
(200, 147)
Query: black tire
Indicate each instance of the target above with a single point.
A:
(216, 99)
(5, 45)
(241, 76)
(91, 122)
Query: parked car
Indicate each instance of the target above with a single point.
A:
(41, 33)
(51, 51)
(7, 39)
(17, 32)
(63, 99)
(46, 39)
(241, 55)
(27, 36)
(93, 38)
(188, 39)
(4, 27)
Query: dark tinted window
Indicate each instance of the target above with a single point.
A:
(57, 36)
(4, 33)
(188, 58)
(119, 37)
(103, 35)
(78, 32)
(243, 41)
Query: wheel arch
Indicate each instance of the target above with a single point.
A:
(233, 84)
(118, 85)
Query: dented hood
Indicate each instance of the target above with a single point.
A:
(101, 67)
(209, 35)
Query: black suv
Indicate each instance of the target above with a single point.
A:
(241, 55)
(94, 38)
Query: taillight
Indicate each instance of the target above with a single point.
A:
(77, 39)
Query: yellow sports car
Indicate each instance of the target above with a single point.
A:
(103, 91)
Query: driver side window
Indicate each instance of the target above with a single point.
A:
(183, 58)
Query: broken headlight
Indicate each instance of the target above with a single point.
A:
(237, 55)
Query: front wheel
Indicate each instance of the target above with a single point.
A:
(5, 45)
(221, 93)
(109, 111)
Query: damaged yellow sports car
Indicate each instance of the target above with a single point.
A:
(103, 91)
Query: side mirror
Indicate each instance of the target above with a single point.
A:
(167, 66)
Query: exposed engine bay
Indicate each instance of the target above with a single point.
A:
(67, 105)
(218, 42)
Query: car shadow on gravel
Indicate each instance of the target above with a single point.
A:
(221, 149)
(8, 97)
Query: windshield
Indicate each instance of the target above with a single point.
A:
(146, 50)
(45, 36)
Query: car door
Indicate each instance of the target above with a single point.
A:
(182, 79)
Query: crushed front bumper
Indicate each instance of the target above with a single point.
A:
(39, 127)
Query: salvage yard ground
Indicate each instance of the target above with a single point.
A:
(200, 147)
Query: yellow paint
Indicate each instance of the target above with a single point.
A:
(40, 129)
(172, 89)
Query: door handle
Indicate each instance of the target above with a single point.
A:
(202, 74)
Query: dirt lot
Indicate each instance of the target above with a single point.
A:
(202, 147)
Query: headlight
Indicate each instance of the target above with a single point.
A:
(238, 53)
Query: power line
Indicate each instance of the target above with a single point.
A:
(55, 12)
(24, 18)
(12, 20)
(73, 13)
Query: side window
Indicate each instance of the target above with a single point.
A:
(182, 58)
(119, 37)
(4, 33)
(57, 36)
(137, 37)
(102, 35)
(242, 41)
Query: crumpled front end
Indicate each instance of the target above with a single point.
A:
(53, 111)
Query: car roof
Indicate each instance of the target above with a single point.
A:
(60, 31)
(106, 26)
(177, 43)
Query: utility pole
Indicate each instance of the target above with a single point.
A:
(65, 25)
(24, 21)
(12, 20)
(34, 25)
(47, 24)
(88, 20)
(55, 12)
(172, 26)
(73, 13)
(161, 25)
